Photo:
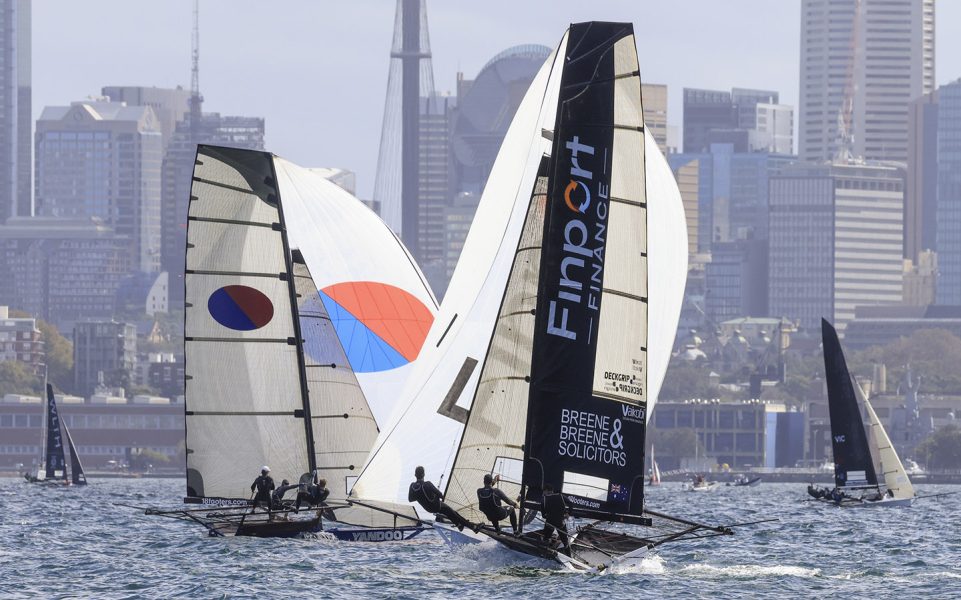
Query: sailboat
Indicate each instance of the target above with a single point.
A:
(655, 478)
(54, 468)
(561, 393)
(303, 311)
(858, 451)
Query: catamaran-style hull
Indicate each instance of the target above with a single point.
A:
(858, 503)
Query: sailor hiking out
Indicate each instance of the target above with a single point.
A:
(431, 499)
(490, 499)
(277, 497)
(263, 485)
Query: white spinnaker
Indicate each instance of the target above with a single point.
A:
(666, 264)
(344, 241)
(446, 375)
(242, 384)
(895, 477)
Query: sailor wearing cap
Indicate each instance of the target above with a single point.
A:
(263, 485)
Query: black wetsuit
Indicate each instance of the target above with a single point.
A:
(430, 498)
(554, 511)
(277, 497)
(489, 501)
(313, 496)
(264, 485)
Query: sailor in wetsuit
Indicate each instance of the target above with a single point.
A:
(554, 510)
(430, 498)
(277, 498)
(264, 485)
(315, 494)
(489, 501)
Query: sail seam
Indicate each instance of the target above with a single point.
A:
(234, 273)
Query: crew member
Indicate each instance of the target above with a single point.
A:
(277, 498)
(431, 499)
(489, 501)
(315, 494)
(264, 485)
(554, 510)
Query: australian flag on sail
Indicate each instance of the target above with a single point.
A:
(618, 493)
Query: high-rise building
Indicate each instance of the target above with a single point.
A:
(433, 192)
(170, 105)
(102, 159)
(104, 353)
(750, 120)
(654, 100)
(862, 62)
(949, 194)
(705, 110)
(61, 270)
(732, 192)
(687, 176)
(178, 164)
(15, 110)
(410, 79)
(921, 192)
(835, 241)
(736, 280)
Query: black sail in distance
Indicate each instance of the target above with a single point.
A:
(583, 443)
(56, 467)
(77, 476)
(853, 465)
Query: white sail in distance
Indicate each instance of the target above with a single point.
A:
(895, 477)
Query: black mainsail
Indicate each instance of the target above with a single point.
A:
(853, 463)
(77, 476)
(561, 397)
(54, 459)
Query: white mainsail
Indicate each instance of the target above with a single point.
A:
(895, 477)
(276, 251)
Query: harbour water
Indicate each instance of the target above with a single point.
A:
(77, 543)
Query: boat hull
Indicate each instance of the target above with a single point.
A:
(366, 534)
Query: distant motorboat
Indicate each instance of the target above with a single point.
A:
(745, 481)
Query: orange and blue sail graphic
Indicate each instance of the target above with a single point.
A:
(380, 326)
(240, 307)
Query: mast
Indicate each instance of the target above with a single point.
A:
(298, 334)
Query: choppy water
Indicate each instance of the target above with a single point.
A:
(75, 543)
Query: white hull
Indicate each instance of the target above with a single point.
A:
(887, 502)
(710, 487)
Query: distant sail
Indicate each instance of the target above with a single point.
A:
(895, 477)
(853, 464)
(77, 476)
(55, 459)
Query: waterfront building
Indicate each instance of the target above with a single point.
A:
(104, 353)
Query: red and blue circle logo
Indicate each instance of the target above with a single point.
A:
(380, 326)
(240, 307)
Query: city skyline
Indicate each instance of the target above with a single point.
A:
(304, 114)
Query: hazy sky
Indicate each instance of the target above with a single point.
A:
(317, 69)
